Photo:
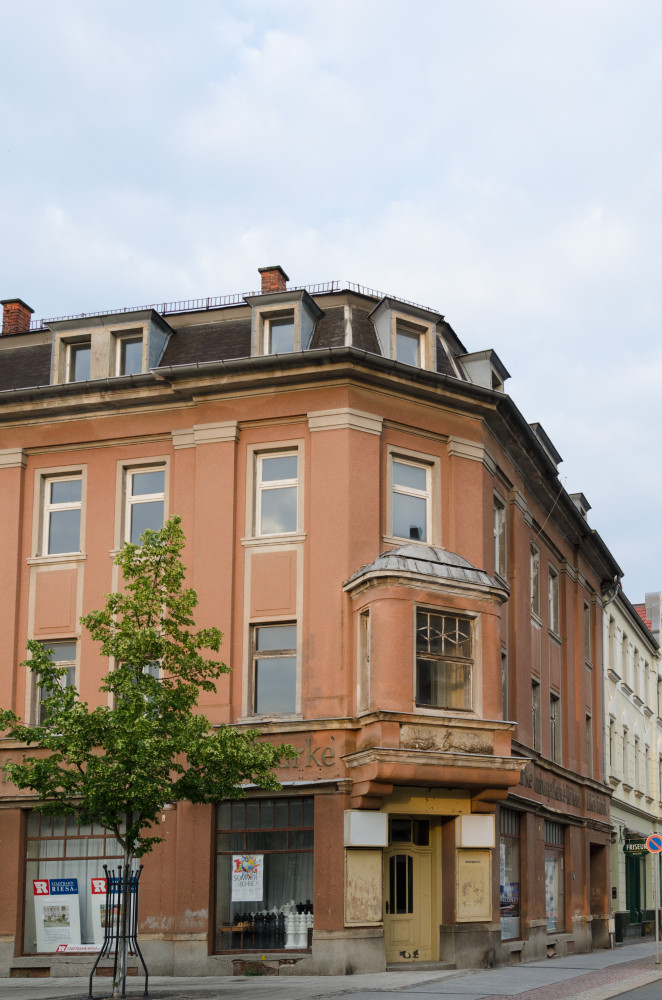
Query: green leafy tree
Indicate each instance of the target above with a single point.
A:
(118, 766)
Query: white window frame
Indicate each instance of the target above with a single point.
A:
(471, 662)
(535, 580)
(427, 337)
(363, 661)
(70, 349)
(67, 680)
(128, 471)
(555, 727)
(47, 508)
(431, 494)
(262, 318)
(410, 329)
(262, 487)
(554, 600)
(274, 654)
(268, 319)
(500, 537)
(119, 339)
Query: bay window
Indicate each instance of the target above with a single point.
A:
(444, 660)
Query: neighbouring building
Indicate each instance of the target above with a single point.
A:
(633, 764)
(408, 595)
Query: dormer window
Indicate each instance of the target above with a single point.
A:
(79, 357)
(282, 322)
(129, 354)
(100, 347)
(279, 333)
(406, 333)
(409, 344)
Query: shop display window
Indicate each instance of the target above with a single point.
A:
(509, 874)
(554, 876)
(64, 895)
(264, 874)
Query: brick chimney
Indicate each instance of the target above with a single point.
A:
(15, 316)
(274, 279)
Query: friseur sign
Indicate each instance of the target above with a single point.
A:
(635, 847)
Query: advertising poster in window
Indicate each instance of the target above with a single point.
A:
(57, 912)
(247, 877)
(98, 908)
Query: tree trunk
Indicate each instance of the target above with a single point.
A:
(119, 984)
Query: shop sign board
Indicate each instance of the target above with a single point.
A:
(57, 912)
(637, 847)
(247, 877)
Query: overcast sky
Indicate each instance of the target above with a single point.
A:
(498, 160)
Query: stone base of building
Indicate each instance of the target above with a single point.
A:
(470, 946)
(334, 953)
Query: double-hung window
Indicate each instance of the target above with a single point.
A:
(444, 660)
(277, 493)
(274, 661)
(64, 655)
(410, 499)
(145, 501)
(62, 506)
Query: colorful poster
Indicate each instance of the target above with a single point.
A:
(98, 908)
(247, 877)
(57, 912)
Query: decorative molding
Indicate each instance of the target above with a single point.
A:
(519, 500)
(184, 438)
(267, 541)
(219, 433)
(343, 419)
(60, 559)
(13, 458)
(473, 450)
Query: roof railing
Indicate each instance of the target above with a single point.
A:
(224, 301)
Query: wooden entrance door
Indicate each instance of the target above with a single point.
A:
(408, 903)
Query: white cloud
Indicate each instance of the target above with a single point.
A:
(495, 161)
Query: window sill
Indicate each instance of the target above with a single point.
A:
(612, 675)
(269, 717)
(625, 688)
(535, 618)
(395, 540)
(60, 557)
(463, 713)
(296, 536)
(555, 636)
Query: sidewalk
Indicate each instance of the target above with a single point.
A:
(597, 976)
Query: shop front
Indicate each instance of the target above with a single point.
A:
(554, 864)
